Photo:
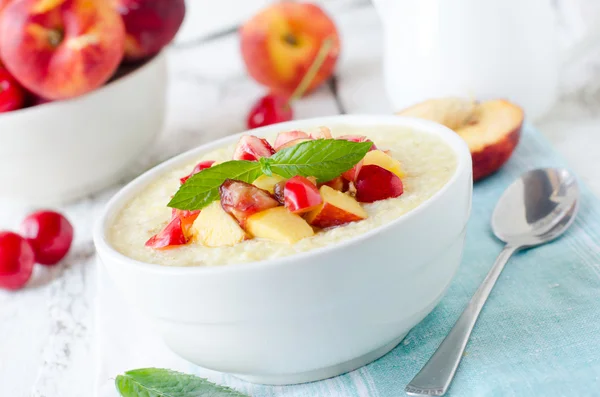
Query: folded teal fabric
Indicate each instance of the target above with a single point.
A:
(538, 335)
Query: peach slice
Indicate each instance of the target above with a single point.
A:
(216, 228)
(293, 143)
(337, 209)
(252, 148)
(492, 129)
(278, 224)
(288, 136)
(268, 182)
(378, 157)
(300, 195)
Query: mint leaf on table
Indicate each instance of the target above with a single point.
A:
(324, 159)
(156, 382)
(202, 188)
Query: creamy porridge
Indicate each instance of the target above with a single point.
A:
(427, 164)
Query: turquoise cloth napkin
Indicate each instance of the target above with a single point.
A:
(539, 333)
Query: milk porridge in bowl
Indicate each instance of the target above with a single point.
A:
(278, 215)
(294, 252)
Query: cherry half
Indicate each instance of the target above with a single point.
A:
(16, 261)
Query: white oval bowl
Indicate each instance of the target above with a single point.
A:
(311, 315)
(64, 150)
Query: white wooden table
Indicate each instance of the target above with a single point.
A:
(46, 340)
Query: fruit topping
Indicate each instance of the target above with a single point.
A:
(323, 133)
(288, 136)
(268, 183)
(216, 228)
(301, 195)
(242, 199)
(169, 237)
(252, 148)
(380, 158)
(375, 183)
(337, 209)
(199, 167)
(278, 224)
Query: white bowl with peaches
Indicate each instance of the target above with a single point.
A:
(297, 251)
(82, 92)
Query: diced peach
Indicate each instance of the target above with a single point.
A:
(293, 143)
(323, 133)
(337, 209)
(338, 183)
(378, 157)
(278, 224)
(252, 148)
(268, 182)
(216, 228)
(288, 136)
(357, 138)
(301, 195)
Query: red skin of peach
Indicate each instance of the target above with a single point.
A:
(492, 157)
(301, 195)
(279, 65)
(330, 216)
(57, 65)
(150, 25)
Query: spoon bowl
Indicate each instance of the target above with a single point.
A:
(536, 208)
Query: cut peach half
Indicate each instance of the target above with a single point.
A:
(491, 129)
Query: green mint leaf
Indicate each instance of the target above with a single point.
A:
(156, 382)
(203, 188)
(324, 159)
(265, 164)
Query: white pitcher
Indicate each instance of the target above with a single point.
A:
(473, 48)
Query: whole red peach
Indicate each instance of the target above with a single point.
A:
(60, 49)
(281, 42)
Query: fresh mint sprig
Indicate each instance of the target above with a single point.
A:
(323, 159)
(157, 382)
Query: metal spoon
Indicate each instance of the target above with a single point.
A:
(537, 208)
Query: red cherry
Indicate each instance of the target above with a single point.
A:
(12, 95)
(301, 195)
(16, 261)
(270, 109)
(50, 235)
(375, 183)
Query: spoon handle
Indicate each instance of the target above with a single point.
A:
(435, 377)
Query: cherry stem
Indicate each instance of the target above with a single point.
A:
(312, 71)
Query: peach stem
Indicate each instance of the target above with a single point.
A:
(312, 71)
